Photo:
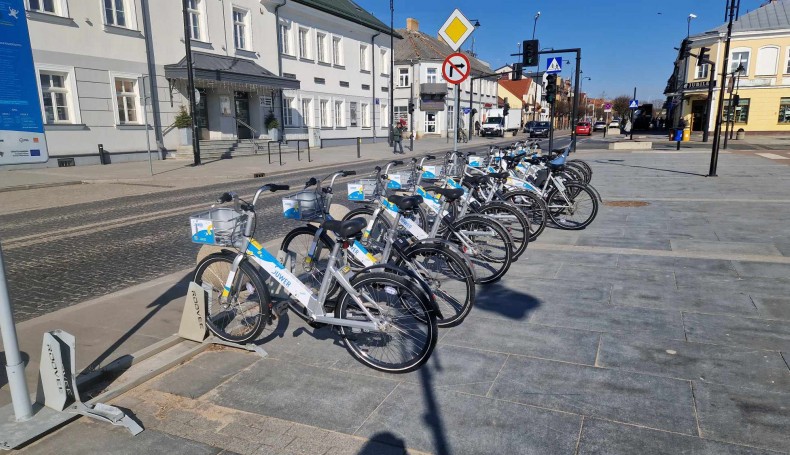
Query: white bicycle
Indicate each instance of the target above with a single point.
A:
(386, 321)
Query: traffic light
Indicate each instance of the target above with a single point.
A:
(703, 55)
(505, 109)
(518, 69)
(411, 107)
(551, 88)
(530, 55)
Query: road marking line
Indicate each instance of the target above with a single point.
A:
(772, 156)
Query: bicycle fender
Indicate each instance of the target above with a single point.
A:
(446, 244)
(423, 287)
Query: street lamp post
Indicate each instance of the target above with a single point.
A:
(535, 24)
(581, 83)
(688, 24)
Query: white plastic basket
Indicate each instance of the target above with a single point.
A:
(221, 226)
(399, 180)
(305, 205)
(361, 190)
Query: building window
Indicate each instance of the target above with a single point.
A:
(784, 110)
(385, 63)
(403, 77)
(126, 100)
(702, 71)
(431, 75)
(450, 117)
(401, 113)
(767, 58)
(304, 43)
(326, 116)
(321, 53)
(240, 33)
(363, 58)
(44, 6)
(288, 115)
(337, 50)
(365, 115)
(194, 11)
(352, 113)
(383, 115)
(285, 40)
(55, 94)
(307, 114)
(115, 13)
(740, 57)
(787, 66)
(339, 121)
(741, 111)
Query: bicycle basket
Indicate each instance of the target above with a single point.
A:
(400, 180)
(362, 190)
(305, 205)
(221, 226)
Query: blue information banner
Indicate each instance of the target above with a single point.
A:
(22, 138)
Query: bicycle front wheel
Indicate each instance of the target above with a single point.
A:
(409, 331)
(486, 243)
(513, 220)
(533, 207)
(239, 316)
(308, 268)
(574, 208)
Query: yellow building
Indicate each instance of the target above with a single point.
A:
(761, 45)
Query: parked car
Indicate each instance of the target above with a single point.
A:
(528, 127)
(540, 129)
(614, 124)
(583, 129)
(599, 126)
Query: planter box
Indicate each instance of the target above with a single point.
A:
(274, 134)
(185, 136)
(628, 145)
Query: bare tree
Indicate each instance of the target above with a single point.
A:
(620, 106)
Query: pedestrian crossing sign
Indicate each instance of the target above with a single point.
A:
(554, 65)
(634, 104)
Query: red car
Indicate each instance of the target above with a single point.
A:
(583, 129)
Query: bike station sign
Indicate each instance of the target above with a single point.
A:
(456, 68)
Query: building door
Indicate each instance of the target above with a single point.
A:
(202, 115)
(698, 114)
(243, 115)
(430, 122)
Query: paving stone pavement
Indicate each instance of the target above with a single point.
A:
(588, 346)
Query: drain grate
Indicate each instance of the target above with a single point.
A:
(626, 203)
(258, 175)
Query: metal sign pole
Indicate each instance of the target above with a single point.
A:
(455, 117)
(15, 367)
(145, 122)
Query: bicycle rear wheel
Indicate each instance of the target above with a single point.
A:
(533, 207)
(572, 209)
(486, 243)
(513, 220)
(239, 316)
(409, 334)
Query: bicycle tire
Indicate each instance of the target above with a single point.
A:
(249, 294)
(513, 220)
(296, 246)
(454, 301)
(585, 165)
(488, 268)
(376, 241)
(559, 211)
(406, 310)
(581, 170)
(534, 208)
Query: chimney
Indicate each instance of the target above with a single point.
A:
(412, 25)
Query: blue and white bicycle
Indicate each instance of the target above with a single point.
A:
(386, 321)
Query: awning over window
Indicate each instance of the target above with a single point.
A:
(208, 67)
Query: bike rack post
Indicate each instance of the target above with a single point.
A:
(280, 149)
(269, 150)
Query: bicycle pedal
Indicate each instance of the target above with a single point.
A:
(280, 308)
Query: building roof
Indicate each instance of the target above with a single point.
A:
(420, 46)
(770, 16)
(212, 67)
(348, 10)
(517, 88)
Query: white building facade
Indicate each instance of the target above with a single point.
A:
(113, 73)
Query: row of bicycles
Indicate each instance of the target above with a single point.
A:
(406, 260)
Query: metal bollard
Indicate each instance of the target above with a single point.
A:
(269, 151)
(298, 150)
(280, 147)
(678, 146)
(101, 154)
(309, 160)
(359, 147)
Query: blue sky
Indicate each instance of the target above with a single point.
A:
(624, 43)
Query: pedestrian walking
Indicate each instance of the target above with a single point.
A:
(397, 136)
(477, 127)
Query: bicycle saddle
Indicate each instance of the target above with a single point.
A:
(345, 229)
(405, 202)
(451, 194)
(499, 175)
(474, 180)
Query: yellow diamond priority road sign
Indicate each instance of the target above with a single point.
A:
(456, 30)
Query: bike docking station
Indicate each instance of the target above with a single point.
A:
(193, 322)
(57, 399)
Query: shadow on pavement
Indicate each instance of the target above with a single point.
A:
(648, 167)
(3, 375)
(176, 291)
(496, 298)
(372, 448)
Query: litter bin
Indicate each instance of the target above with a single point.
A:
(677, 134)
(740, 134)
(686, 134)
